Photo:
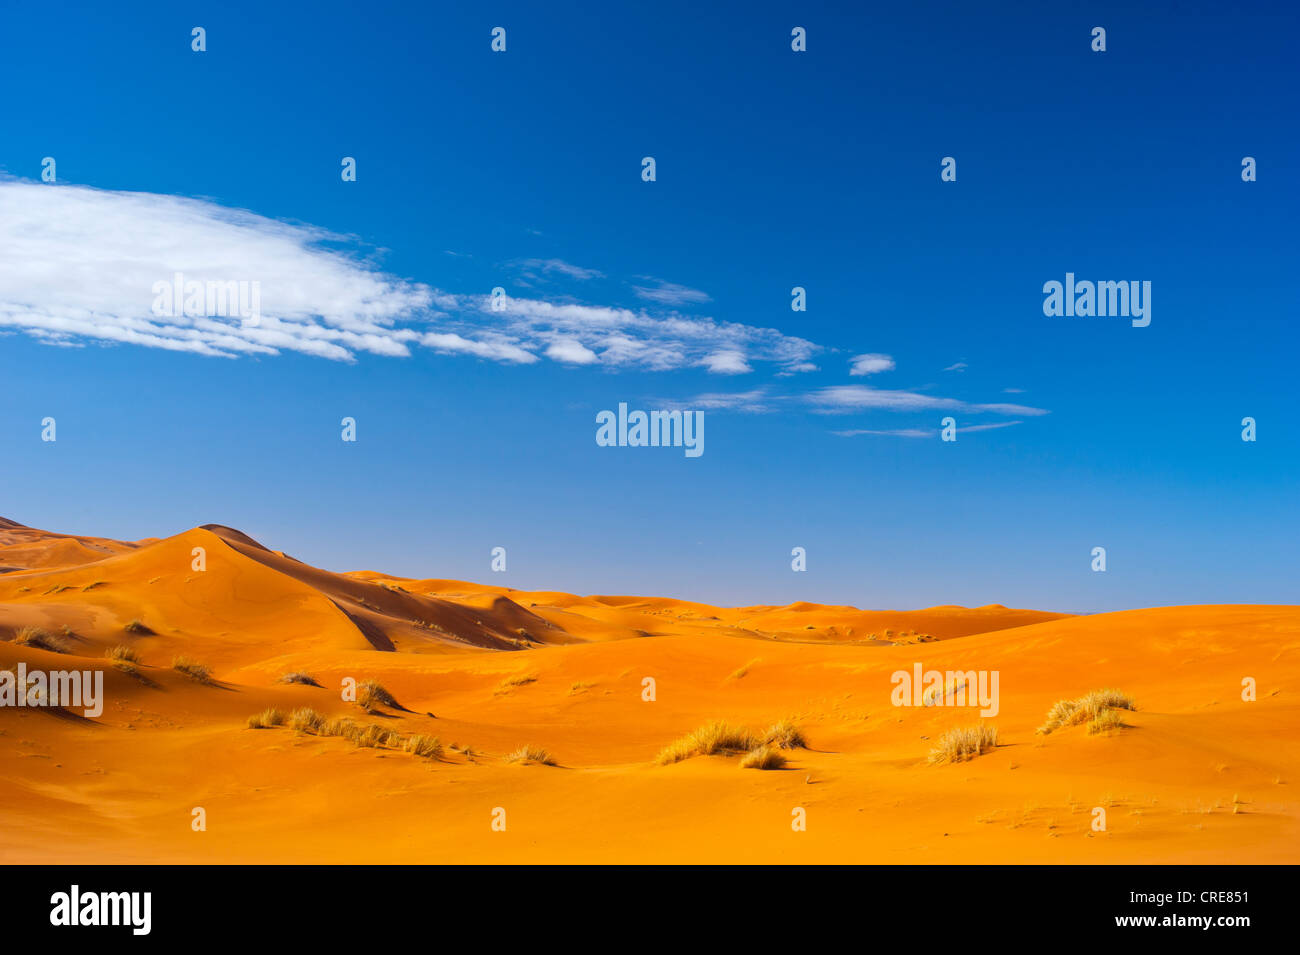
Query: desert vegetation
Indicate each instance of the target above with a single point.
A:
(39, 639)
(531, 754)
(196, 671)
(1097, 708)
(957, 745)
(719, 738)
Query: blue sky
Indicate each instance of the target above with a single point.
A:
(774, 169)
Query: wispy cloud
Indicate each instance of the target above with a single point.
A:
(79, 264)
(922, 432)
(870, 364)
(957, 366)
(449, 343)
(755, 401)
(989, 427)
(670, 293)
(533, 268)
(623, 337)
(839, 399)
(893, 432)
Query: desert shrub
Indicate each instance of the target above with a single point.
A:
(136, 626)
(1107, 721)
(763, 757)
(195, 671)
(266, 719)
(298, 676)
(336, 726)
(784, 735)
(1095, 701)
(372, 736)
(964, 743)
(711, 739)
(373, 695)
(1087, 707)
(306, 720)
(39, 639)
(430, 747)
(512, 681)
(531, 754)
(122, 654)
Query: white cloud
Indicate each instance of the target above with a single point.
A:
(753, 402)
(450, 343)
(870, 364)
(623, 337)
(573, 352)
(79, 264)
(895, 432)
(670, 293)
(845, 398)
(922, 432)
(531, 268)
(957, 366)
(727, 363)
(990, 427)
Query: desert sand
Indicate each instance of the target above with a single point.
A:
(1198, 774)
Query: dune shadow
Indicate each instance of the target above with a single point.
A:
(376, 637)
(141, 678)
(59, 713)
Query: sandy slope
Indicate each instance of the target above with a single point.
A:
(1200, 775)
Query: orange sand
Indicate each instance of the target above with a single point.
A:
(1199, 776)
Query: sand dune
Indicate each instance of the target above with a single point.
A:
(1197, 775)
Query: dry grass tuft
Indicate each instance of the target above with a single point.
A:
(965, 743)
(784, 735)
(306, 679)
(337, 726)
(1107, 721)
(122, 654)
(372, 736)
(306, 720)
(741, 672)
(712, 739)
(136, 626)
(511, 682)
(764, 757)
(430, 747)
(1091, 706)
(266, 719)
(372, 695)
(39, 639)
(195, 671)
(531, 754)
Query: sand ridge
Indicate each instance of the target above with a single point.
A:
(1198, 775)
